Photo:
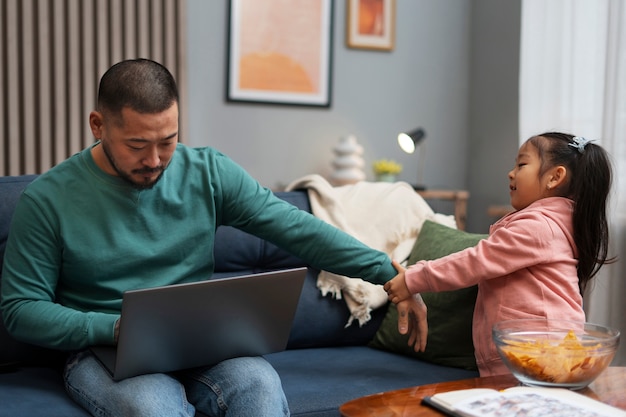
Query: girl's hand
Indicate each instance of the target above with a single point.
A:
(396, 287)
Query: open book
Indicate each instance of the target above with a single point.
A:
(518, 402)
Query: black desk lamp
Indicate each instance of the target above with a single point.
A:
(409, 142)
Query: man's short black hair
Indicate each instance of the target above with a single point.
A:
(141, 84)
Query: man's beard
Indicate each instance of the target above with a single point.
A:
(128, 176)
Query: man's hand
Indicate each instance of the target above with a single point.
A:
(412, 319)
(116, 332)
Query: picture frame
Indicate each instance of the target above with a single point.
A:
(280, 52)
(371, 24)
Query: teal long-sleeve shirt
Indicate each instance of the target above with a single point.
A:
(79, 238)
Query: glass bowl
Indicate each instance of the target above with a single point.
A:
(555, 353)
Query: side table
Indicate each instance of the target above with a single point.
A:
(499, 211)
(609, 387)
(459, 197)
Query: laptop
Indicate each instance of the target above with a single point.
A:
(182, 326)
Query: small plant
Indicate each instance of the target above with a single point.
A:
(386, 167)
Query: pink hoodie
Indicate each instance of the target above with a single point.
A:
(525, 269)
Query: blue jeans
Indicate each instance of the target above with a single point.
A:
(237, 387)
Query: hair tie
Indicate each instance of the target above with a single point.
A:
(579, 143)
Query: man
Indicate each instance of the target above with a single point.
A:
(136, 210)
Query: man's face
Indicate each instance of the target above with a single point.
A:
(138, 146)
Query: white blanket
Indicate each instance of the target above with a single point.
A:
(384, 216)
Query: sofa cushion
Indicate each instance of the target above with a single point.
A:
(317, 381)
(321, 321)
(12, 188)
(238, 251)
(449, 312)
(12, 352)
(36, 392)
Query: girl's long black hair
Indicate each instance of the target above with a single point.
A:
(590, 177)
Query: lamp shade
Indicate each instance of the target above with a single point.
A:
(409, 141)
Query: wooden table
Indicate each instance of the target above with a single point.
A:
(609, 387)
(499, 211)
(459, 197)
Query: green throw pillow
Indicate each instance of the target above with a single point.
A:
(449, 312)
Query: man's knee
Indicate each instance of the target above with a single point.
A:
(262, 376)
(146, 395)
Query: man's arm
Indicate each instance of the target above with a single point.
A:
(31, 269)
(244, 204)
(248, 206)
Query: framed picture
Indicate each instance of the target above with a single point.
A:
(280, 52)
(371, 24)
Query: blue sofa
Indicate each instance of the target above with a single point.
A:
(325, 364)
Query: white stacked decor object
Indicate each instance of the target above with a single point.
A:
(348, 163)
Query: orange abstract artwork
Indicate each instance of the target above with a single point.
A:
(371, 17)
(271, 61)
(371, 24)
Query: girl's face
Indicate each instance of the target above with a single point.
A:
(525, 182)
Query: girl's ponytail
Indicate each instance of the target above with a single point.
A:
(591, 184)
(590, 177)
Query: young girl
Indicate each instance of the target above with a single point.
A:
(537, 260)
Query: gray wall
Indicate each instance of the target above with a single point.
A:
(434, 78)
(493, 111)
